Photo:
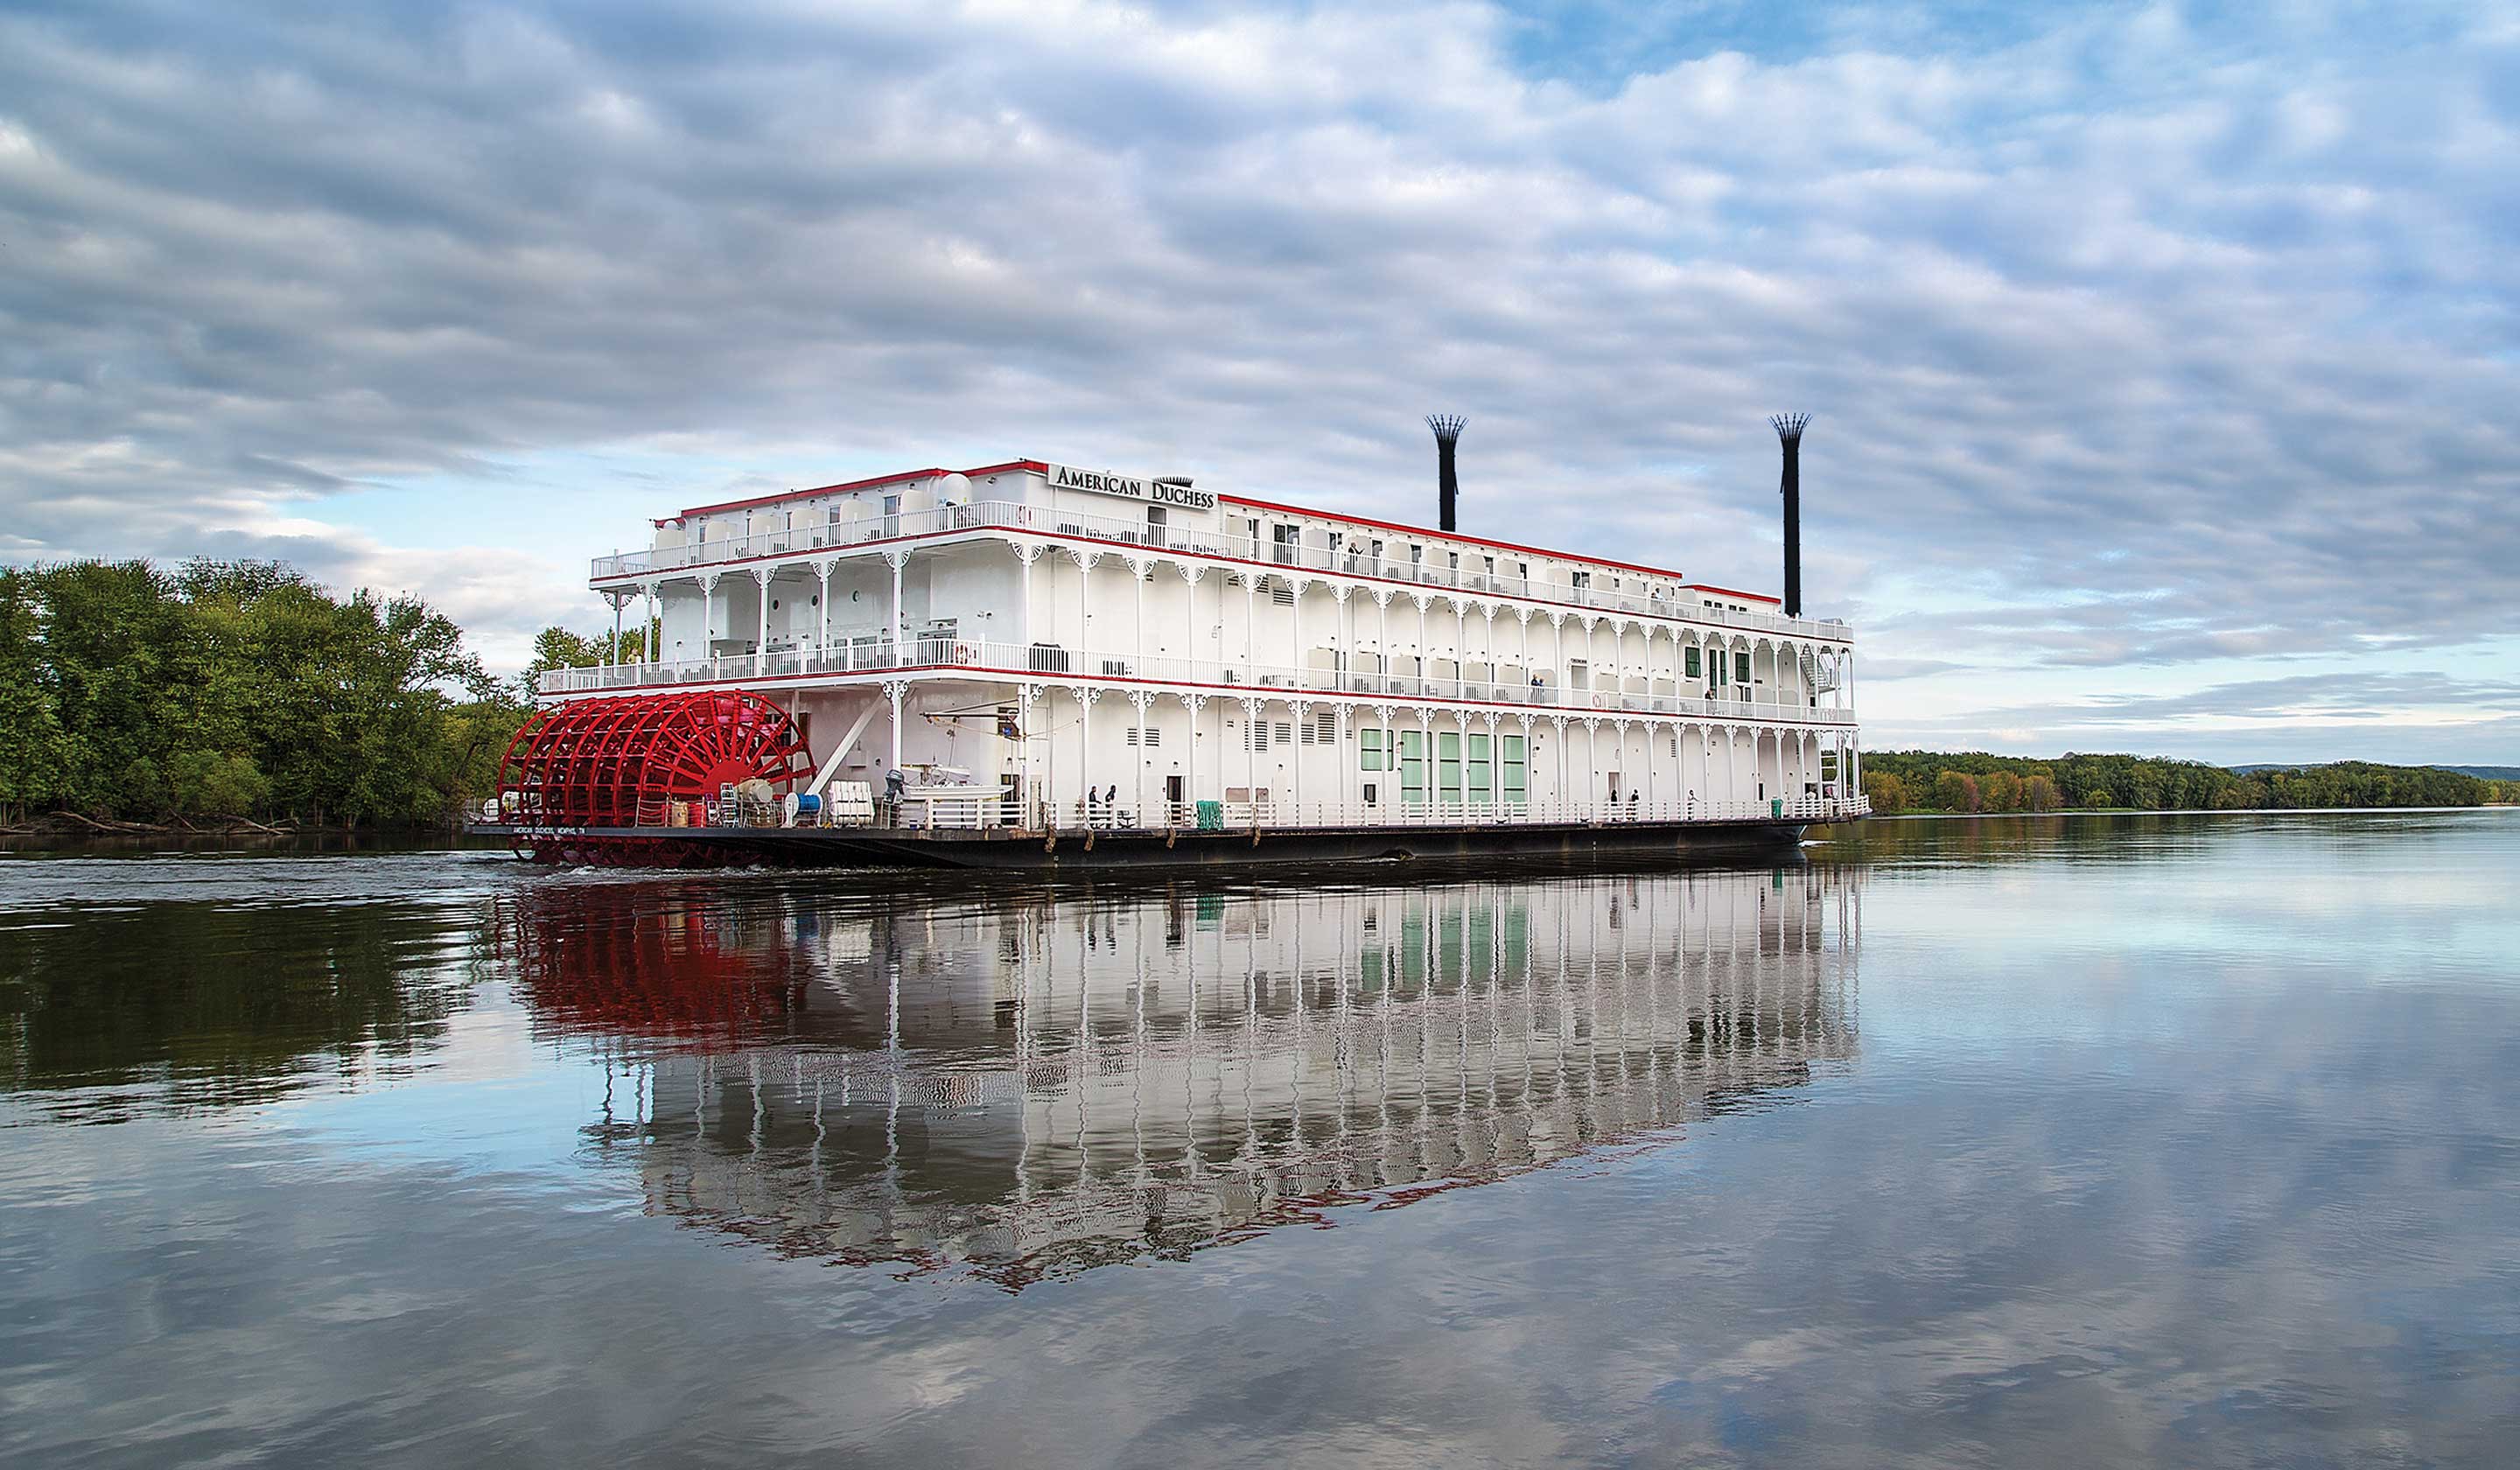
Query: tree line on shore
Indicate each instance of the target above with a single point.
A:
(1923, 781)
(245, 690)
(234, 691)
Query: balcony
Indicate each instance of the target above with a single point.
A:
(1002, 662)
(807, 542)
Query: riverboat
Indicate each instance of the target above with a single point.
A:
(1127, 669)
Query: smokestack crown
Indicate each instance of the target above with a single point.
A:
(1790, 433)
(1447, 488)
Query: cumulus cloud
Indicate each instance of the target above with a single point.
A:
(2135, 342)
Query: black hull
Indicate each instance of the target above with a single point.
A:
(1005, 849)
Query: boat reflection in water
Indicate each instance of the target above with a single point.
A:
(1028, 1086)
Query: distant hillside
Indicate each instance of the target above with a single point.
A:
(2481, 773)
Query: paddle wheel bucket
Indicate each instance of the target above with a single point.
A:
(588, 782)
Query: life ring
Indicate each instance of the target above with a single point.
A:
(962, 652)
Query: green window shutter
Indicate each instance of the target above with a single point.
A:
(1693, 665)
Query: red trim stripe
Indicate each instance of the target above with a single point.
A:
(1271, 692)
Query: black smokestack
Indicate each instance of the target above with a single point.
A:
(1790, 433)
(1447, 488)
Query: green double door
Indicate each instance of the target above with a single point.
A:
(1461, 764)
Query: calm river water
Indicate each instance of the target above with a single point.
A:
(2056, 1141)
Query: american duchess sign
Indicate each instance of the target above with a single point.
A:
(1130, 487)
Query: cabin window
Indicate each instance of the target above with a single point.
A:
(1579, 580)
(1511, 757)
(1690, 662)
(1741, 668)
(1369, 751)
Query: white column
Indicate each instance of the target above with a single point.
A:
(1461, 717)
(1434, 796)
(1495, 757)
(1558, 796)
(1026, 696)
(761, 644)
(1343, 643)
(1460, 648)
(1085, 696)
(1382, 642)
(823, 606)
(1085, 562)
(894, 690)
(1139, 570)
(1196, 704)
(1303, 733)
(1141, 702)
(1250, 737)
(895, 560)
(1024, 555)
(1423, 601)
(1303, 664)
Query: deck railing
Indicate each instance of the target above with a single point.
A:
(1136, 535)
(1050, 663)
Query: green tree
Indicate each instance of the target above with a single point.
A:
(1887, 792)
(2039, 792)
(2000, 790)
(235, 688)
(1956, 791)
(34, 751)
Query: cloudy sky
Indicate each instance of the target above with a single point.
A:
(2162, 360)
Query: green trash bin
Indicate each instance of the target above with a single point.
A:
(1776, 806)
(1211, 815)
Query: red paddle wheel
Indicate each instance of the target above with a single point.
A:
(620, 763)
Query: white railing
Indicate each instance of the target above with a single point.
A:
(984, 515)
(1050, 663)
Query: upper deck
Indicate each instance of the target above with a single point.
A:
(1173, 521)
